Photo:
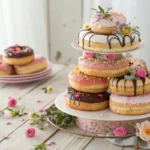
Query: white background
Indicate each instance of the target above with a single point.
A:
(49, 26)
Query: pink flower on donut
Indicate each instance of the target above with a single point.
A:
(12, 102)
(110, 57)
(141, 73)
(78, 95)
(88, 54)
(120, 131)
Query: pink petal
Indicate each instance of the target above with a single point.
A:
(8, 123)
(22, 119)
(5, 136)
(19, 88)
(41, 110)
(38, 101)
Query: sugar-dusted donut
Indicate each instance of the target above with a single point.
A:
(18, 55)
(135, 105)
(4, 68)
(38, 64)
(135, 82)
(87, 83)
(108, 65)
(86, 101)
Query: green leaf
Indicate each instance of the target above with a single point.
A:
(93, 9)
(22, 110)
(107, 15)
(101, 9)
(9, 109)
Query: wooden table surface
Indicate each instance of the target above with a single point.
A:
(30, 92)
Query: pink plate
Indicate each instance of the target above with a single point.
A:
(26, 80)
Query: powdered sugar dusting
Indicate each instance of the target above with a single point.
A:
(134, 100)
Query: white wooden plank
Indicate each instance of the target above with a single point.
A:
(97, 144)
(129, 148)
(114, 147)
(29, 101)
(65, 23)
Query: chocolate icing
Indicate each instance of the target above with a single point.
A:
(70, 94)
(110, 37)
(134, 81)
(18, 51)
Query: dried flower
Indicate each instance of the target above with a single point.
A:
(12, 102)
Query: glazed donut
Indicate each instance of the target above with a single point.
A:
(86, 83)
(109, 65)
(38, 64)
(86, 101)
(4, 68)
(18, 55)
(135, 105)
(106, 25)
(108, 33)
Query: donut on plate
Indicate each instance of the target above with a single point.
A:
(38, 64)
(135, 82)
(87, 83)
(108, 33)
(18, 55)
(86, 101)
(135, 105)
(103, 65)
(4, 68)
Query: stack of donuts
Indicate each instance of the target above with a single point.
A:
(101, 67)
(21, 60)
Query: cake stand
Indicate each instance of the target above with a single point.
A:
(76, 46)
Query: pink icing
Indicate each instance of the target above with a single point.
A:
(100, 64)
(79, 77)
(3, 66)
(105, 127)
(37, 60)
(141, 99)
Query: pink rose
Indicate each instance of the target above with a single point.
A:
(110, 57)
(88, 54)
(30, 132)
(141, 73)
(120, 131)
(12, 102)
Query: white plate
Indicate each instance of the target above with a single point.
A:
(29, 75)
(105, 115)
(76, 46)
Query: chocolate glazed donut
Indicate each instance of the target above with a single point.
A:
(18, 55)
(86, 101)
(18, 51)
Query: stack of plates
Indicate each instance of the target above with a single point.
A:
(28, 77)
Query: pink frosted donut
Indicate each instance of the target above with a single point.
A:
(38, 64)
(106, 127)
(87, 83)
(4, 68)
(109, 65)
